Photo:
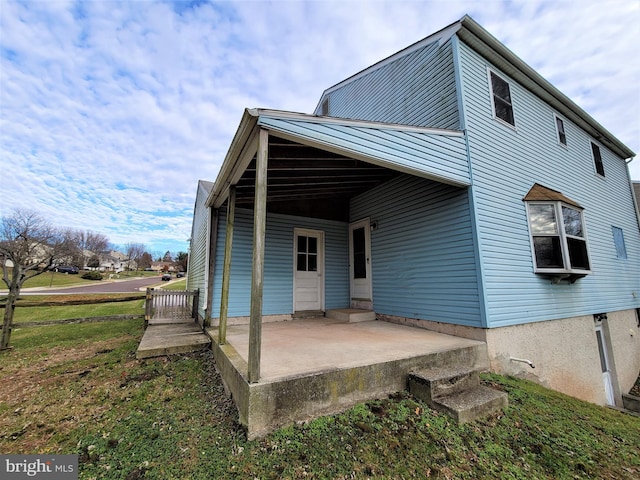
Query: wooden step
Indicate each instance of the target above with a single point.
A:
(159, 340)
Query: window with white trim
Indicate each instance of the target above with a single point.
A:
(597, 159)
(501, 99)
(558, 238)
(562, 135)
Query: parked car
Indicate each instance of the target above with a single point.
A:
(65, 269)
(166, 277)
(179, 274)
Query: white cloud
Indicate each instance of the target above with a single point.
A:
(111, 111)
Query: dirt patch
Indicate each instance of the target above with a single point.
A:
(50, 397)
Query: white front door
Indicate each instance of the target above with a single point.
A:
(360, 264)
(604, 364)
(308, 270)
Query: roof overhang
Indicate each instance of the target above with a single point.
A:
(435, 154)
(492, 49)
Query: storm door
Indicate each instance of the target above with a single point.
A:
(308, 260)
(360, 264)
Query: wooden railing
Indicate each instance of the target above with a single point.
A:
(171, 304)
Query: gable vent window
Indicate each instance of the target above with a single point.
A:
(501, 99)
(562, 136)
(597, 159)
(325, 106)
(558, 235)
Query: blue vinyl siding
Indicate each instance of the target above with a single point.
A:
(505, 163)
(426, 97)
(422, 257)
(278, 270)
(197, 269)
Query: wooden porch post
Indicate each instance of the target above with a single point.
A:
(259, 229)
(226, 269)
(213, 240)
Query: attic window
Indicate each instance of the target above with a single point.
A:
(558, 235)
(597, 159)
(501, 99)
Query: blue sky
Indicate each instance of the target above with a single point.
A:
(110, 112)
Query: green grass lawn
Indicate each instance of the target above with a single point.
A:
(54, 279)
(179, 285)
(79, 389)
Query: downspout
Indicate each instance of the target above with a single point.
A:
(633, 193)
(477, 244)
(212, 243)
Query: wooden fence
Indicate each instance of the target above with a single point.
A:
(171, 304)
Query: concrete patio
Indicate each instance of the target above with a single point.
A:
(318, 366)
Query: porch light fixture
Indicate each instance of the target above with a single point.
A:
(599, 317)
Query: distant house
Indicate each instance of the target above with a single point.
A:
(163, 267)
(199, 254)
(636, 191)
(448, 187)
(113, 261)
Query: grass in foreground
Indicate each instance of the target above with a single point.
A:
(79, 389)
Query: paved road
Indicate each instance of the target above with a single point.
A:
(119, 286)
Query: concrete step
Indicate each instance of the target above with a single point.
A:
(472, 404)
(433, 383)
(307, 314)
(631, 402)
(351, 315)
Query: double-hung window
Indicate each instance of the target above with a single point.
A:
(558, 235)
(501, 99)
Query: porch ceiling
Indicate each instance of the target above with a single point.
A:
(308, 181)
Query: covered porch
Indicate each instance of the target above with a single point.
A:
(291, 233)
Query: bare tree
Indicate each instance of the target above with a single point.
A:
(93, 244)
(29, 245)
(134, 252)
